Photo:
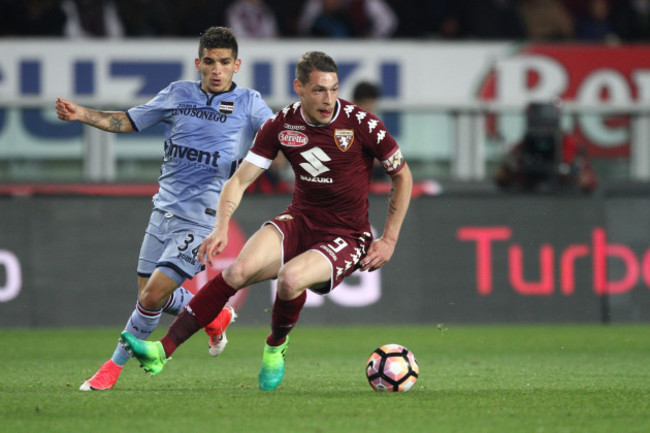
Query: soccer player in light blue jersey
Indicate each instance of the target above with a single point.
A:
(210, 125)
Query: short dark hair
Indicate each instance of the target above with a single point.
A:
(366, 90)
(314, 60)
(218, 37)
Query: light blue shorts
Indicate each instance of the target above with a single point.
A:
(171, 244)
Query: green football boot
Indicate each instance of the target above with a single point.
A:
(150, 354)
(272, 370)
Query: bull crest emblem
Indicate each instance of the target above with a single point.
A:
(344, 138)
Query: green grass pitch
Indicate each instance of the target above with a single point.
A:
(501, 379)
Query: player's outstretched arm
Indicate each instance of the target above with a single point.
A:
(229, 199)
(381, 250)
(110, 121)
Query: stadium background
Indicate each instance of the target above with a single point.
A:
(74, 201)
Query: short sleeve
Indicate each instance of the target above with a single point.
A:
(153, 112)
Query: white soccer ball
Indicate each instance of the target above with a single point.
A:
(392, 367)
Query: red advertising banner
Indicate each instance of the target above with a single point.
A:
(590, 75)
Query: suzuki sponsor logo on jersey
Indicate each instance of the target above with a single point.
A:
(343, 138)
(315, 179)
(226, 107)
(292, 138)
(314, 166)
(315, 158)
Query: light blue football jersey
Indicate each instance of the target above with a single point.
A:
(205, 137)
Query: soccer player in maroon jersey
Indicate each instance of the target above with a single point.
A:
(324, 234)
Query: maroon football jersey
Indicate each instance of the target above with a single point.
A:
(332, 163)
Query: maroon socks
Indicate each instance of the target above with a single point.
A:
(209, 301)
(285, 315)
(200, 311)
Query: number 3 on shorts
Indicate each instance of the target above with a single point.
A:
(188, 241)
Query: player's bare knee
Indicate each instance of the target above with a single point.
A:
(236, 274)
(288, 284)
(151, 299)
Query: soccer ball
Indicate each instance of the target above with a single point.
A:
(392, 367)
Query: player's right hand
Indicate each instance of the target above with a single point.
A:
(212, 246)
(67, 110)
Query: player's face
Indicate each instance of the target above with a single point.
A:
(318, 96)
(217, 66)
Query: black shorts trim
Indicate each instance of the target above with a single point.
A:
(175, 268)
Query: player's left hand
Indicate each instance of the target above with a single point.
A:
(379, 253)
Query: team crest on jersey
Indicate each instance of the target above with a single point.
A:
(343, 138)
(226, 107)
(292, 138)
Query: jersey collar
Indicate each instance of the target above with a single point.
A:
(211, 96)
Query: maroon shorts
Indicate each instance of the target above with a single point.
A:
(342, 250)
